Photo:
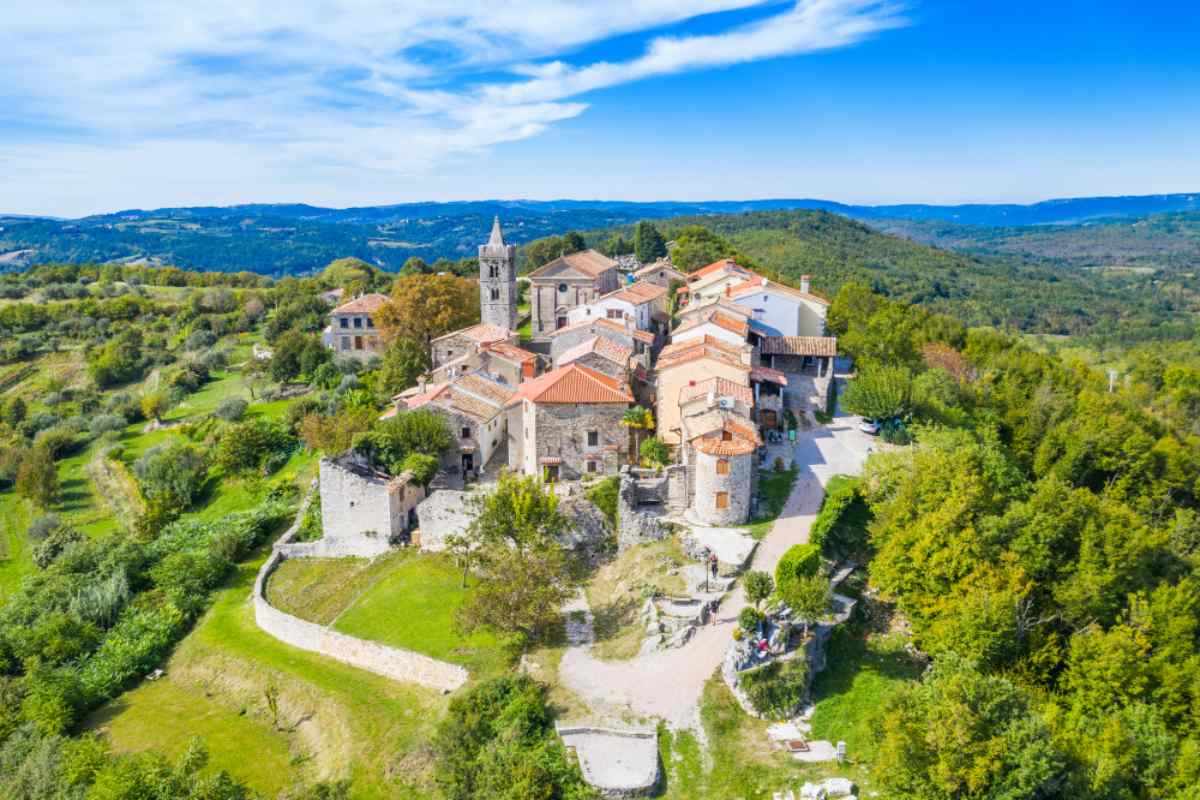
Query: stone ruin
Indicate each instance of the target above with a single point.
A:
(635, 524)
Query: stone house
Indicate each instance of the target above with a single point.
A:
(781, 310)
(623, 333)
(601, 354)
(565, 283)
(641, 303)
(714, 322)
(502, 361)
(681, 365)
(661, 272)
(351, 332)
(364, 511)
(463, 343)
(710, 282)
(567, 424)
(720, 457)
(473, 405)
(712, 394)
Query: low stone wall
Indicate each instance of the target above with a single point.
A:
(390, 662)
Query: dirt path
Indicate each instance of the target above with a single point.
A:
(667, 684)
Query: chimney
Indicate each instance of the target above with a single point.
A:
(805, 283)
(728, 290)
(712, 398)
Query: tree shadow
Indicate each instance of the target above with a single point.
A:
(609, 619)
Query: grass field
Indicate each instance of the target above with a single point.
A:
(773, 490)
(414, 605)
(320, 589)
(337, 721)
(863, 674)
(15, 560)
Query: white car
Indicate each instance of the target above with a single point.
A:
(869, 426)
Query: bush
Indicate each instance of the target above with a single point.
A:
(254, 446)
(57, 541)
(749, 619)
(604, 496)
(198, 340)
(170, 476)
(654, 451)
(231, 409)
(840, 527)
(776, 690)
(42, 526)
(422, 467)
(801, 560)
(58, 441)
(106, 423)
(498, 741)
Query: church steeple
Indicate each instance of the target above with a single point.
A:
(498, 280)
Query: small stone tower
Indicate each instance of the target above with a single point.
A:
(498, 281)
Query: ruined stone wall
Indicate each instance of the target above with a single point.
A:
(737, 484)
(677, 487)
(634, 526)
(359, 515)
(390, 662)
(562, 432)
(442, 513)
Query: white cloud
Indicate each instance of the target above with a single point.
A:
(247, 94)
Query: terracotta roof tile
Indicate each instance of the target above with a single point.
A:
(367, 304)
(642, 336)
(725, 264)
(638, 293)
(764, 285)
(485, 388)
(714, 316)
(600, 345)
(721, 433)
(573, 383)
(431, 393)
(798, 345)
(510, 352)
(761, 373)
(665, 266)
(721, 303)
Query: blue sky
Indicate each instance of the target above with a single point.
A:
(138, 104)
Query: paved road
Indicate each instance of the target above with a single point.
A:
(667, 684)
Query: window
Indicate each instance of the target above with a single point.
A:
(358, 322)
(722, 499)
(345, 321)
(370, 322)
(493, 271)
(615, 313)
(726, 436)
(495, 294)
(591, 466)
(466, 433)
(562, 288)
(345, 342)
(593, 438)
(722, 466)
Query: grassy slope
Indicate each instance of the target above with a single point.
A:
(616, 595)
(773, 490)
(320, 589)
(414, 606)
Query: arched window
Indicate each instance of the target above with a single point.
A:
(493, 271)
(495, 294)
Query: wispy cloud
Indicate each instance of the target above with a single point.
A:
(233, 88)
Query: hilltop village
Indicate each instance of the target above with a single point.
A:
(722, 358)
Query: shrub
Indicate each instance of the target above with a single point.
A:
(800, 560)
(231, 409)
(254, 445)
(198, 340)
(57, 541)
(654, 451)
(37, 477)
(170, 476)
(776, 690)
(758, 586)
(604, 496)
(58, 441)
(42, 526)
(106, 423)
(423, 467)
(749, 619)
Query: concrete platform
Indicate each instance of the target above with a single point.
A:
(733, 546)
(618, 763)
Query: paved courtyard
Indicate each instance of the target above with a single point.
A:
(667, 684)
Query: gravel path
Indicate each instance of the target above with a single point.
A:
(667, 684)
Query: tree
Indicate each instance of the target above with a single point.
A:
(961, 734)
(809, 597)
(404, 361)
(170, 476)
(637, 419)
(154, 405)
(572, 242)
(423, 467)
(881, 393)
(648, 243)
(14, 411)
(297, 355)
(254, 445)
(255, 372)
(522, 573)
(335, 433)
(415, 265)
(654, 451)
(423, 307)
(696, 246)
(37, 477)
(758, 587)
(392, 440)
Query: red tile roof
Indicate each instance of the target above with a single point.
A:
(707, 432)
(721, 320)
(638, 293)
(725, 264)
(764, 285)
(573, 383)
(367, 304)
(701, 347)
(642, 336)
(761, 373)
(482, 334)
(510, 352)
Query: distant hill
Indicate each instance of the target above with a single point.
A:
(292, 239)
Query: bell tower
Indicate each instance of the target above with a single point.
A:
(498, 281)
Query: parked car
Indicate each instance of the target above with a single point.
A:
(870, 426)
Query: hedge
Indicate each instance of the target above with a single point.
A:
(837, 501)
(800, 560)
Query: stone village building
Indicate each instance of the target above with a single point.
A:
(498, 281)
(567, 424)
(363, 511)
(565, 283)
(473, 405)
(351, 332)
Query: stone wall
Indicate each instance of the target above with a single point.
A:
(633, 525)
(677, 487)
(362, 512)
(390, 662)
(737, 484)
(442, 513)
(561, 432)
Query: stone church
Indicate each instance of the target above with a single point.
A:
(498, 281)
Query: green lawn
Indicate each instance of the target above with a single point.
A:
(339, 722)
(320, 589)
(414, 606)
(773, 490)
(15, 560)
(862, 674)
